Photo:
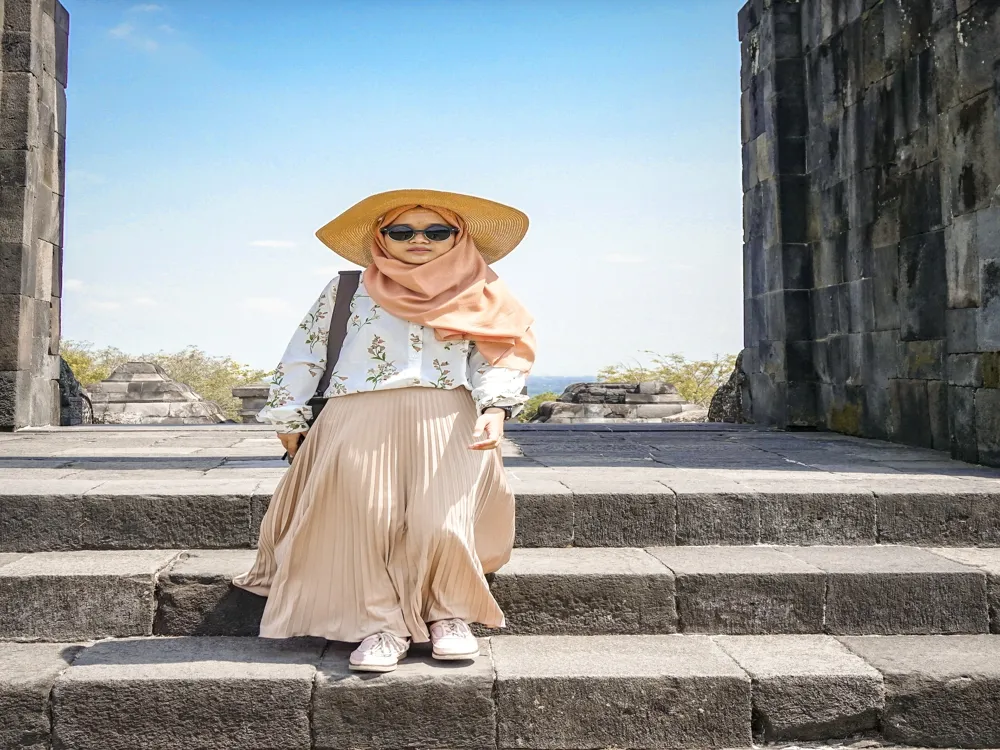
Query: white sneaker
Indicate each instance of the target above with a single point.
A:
(452, 639)
(379, 653)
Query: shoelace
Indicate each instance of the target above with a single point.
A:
(385, 644)
(453, 627)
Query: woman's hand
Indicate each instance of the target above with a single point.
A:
(291, 441)
(490, 423)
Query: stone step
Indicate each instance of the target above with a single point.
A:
(738, 590)
(619, 508)
(544, 692)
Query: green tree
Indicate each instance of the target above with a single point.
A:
(212, 378)
(696, 380)
(530, 410)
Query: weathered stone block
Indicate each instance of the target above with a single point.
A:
(939, 691)
(818, 517)
(76, 595)
(962, 330)
(544, 514)
(961, 246)
(225, 693)
(207, 514)
(744, 590)
(718, 517)
(615, 688)
(988, 324)
(431, 703)
(585, 591)
(614, 515)
(27, 673)
(807, 687)
(923, 288)
(885, 590)
(923, 360)
(988, 425)
(942, 518)
(886, 287)
(195, 596)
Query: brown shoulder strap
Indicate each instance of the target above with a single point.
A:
(346, 287)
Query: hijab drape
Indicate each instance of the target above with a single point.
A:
(457, 294)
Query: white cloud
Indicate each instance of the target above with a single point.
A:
(143, 301)
(72, 284)
(104, 305)
(272, 243)
(624, 258)
(166, 27)
(127, 32)
(266, 304)
(122, 31)
(146, 8)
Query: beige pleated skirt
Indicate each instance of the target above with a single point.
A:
(385, 521)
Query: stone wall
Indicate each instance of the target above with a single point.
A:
(33, 62)
(651, 401)
(871, 177)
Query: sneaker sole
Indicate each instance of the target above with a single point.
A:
(455, 657)
(376, 667)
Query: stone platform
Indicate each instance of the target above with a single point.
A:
(681, 586)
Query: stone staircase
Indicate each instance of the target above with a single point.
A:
(680, 587)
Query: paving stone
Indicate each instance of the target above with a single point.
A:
(585, 591)
(616, 514)
(27, 673)
(192, 693)
(667, 691)
(940, 691)
(195, 596)
(432, 704)
(807, 687)
(898, 590)
(59, 596)
(744, 590)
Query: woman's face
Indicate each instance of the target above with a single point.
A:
(418, 249)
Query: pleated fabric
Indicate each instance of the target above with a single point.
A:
(385, 521)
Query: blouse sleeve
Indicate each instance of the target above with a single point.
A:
(298, 374)
(495, 386)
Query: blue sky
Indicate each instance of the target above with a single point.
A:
(209, 139)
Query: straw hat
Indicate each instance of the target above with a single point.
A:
(495, 228)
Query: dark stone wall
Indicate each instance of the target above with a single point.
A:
(34, 36)
(871, 177)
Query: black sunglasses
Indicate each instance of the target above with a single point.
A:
(435, 232)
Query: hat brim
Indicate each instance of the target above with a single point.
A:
(495, 228)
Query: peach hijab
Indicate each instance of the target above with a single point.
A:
(457, 294)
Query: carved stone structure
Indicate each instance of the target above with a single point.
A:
(35, 37)
(871, 167)
(727, 401)
(74, 404)
(252, 398)
(619, 402)
(143, 393)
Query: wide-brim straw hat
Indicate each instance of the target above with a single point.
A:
(495, 228)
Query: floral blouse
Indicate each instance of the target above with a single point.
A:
(380, 351)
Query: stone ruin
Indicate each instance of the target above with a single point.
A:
(652, 401)
(143, 393)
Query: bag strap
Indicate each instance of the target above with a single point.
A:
(346, 287)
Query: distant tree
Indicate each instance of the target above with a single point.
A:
(530, 410)
(212, 378)
(696, 380)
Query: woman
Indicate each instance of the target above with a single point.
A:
(389, 517)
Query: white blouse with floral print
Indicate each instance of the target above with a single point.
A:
(381, 351)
